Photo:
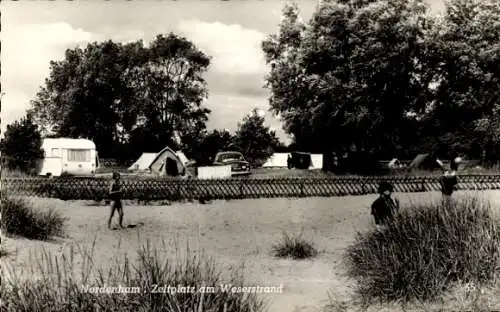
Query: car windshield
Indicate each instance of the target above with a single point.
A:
(229, 156)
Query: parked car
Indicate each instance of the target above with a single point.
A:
(239, 166)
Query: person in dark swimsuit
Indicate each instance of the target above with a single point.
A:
(449, 179)
(115, 194)
(384, 208)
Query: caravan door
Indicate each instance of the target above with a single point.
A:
(52, 162)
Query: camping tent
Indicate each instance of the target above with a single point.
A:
(143, 162)
(182, 157)
(425, 162)
(276, 160)
(301, 160)
(316, 161)
(167, 163)
(394, 164)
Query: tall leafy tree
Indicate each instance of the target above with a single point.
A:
(84, 95)
(287, 80)
(211, 143)
(466, 65)
(351, 76)
(126, 94)
(254, 139)
(21, 146)
(389, 85)
(171, 89)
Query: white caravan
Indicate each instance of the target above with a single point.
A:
(68, 156)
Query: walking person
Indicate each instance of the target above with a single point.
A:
(384, 208)
(115, 194)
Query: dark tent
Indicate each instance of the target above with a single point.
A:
(362, 163)
(353, 163)
(424, 162)
(301, 160)
(330, 162)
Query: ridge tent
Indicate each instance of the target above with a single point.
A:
(277, 160)
(316, 161)
(182, 157)
(167, 163)
(144, 161)
(426, 162)
(394, 163)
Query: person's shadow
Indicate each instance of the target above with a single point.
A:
(132, 226)
(129, 226)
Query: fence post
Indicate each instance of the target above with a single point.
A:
(191, 189)
(178, 190)
(423, 184)
(241, 189)
(363, 186)
(302, 188)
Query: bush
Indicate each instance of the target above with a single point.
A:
(295, 247)
(57, 289)
(21, 146)
(10, 173)
(427, 249)
(3, 252)
(19, 218)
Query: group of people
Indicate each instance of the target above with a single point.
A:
(385, 208)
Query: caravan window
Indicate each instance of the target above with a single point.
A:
(78, 155)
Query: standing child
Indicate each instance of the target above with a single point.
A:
(384, 208)
(449, 180)
(115, 194)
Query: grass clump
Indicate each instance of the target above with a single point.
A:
(3, 252)
(20, 218)
(295, 247)
(426, 251)
(59, 288)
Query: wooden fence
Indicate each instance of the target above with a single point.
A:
(178, 189)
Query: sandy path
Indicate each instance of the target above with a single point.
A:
(234, 232)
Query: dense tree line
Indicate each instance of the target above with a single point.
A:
(256, 141)
(131, 98)
(387, 77)
(376, 76)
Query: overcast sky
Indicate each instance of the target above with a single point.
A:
(34, 33)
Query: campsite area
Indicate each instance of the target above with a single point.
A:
(234, 233)
(276, 167)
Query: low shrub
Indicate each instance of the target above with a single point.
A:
(426, 250)
(3, 252)
(20, 218)
(135, 285)
(12, 173)
(295, 247)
